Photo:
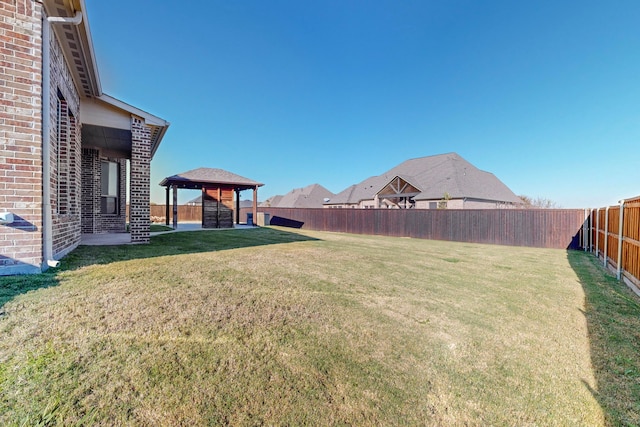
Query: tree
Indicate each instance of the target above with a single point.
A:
(538, 203)
(442, 204)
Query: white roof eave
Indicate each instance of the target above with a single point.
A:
(149, 118)
(89, 49)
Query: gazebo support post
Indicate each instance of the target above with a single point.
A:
(203, 196)
(166, 205)
(175, 207)
(218, 207)
(237, 206)
(255, 204)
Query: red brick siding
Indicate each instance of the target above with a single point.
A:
(20, 135)
(90, 191)
(139, 216)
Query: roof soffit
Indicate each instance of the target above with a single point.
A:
(76, 44)
(112, 140)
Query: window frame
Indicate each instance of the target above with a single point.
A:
(112, 187)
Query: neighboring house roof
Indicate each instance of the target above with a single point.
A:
(196, 178)
(272, 201)
(97, 109)
(197, 201)
(311, 196)
(434, 176)
(347, 194)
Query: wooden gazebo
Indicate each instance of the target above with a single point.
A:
(218, 188)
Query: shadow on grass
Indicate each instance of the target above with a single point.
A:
(179, 243)
(11, 286)
(612, 312)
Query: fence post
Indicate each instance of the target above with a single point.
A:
(594, 239)
(620, 231)
(586, 231)
(597, 224)
(606, 236)
(597, 238)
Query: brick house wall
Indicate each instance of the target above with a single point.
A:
(21, 176)
(92, 220)
(90, 198)
(140, 211)
(74, 183)
(21, 135)
(65, 164)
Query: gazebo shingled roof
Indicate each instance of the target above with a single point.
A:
(197, 178)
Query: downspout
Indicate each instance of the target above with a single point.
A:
(47, 218)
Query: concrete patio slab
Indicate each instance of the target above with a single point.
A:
(105, 239)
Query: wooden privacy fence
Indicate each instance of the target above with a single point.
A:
(186, 213)
(542, 228)
(615, 238)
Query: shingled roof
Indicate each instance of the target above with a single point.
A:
(271, 201)
(434, 176)
(197, 177)
(311, 196)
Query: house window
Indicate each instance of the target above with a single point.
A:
(110, 182)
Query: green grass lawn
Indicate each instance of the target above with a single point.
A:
(280, 327)
(160, 227)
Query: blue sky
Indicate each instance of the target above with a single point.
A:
(544, 94)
